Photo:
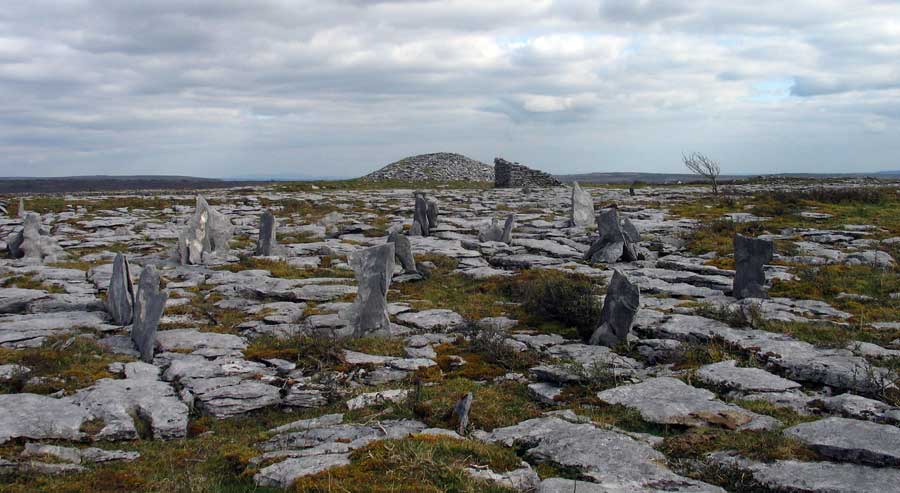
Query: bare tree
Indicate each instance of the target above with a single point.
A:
(704, 166)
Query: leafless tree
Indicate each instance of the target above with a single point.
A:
(704, 166)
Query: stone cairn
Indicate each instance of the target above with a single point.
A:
(120, 295)
(623, 298)
(493, 231)
(206, 232)
(374, 267)
(148, 309)
(514, 175)
(582, 208)
(34, 242)
(750, 255)
(617, 239)
(267, 244)
(424, 216)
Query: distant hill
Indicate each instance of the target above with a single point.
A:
(104, 183)
(440, 166)
(624, 177)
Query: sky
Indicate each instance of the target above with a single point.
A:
(291, 88)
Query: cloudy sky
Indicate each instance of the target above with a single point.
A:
(338, 88)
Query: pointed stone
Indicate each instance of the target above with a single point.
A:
(33, 242)
(506, 237)
(461, 411)
(619, 309)
(420, 217)
(582, 214)
(616, 240)
(148, 309)
(374, 267)
(21, 207)
(750, 255)
(266, 244)
(207, 231)
(120, 295)
(403, 251)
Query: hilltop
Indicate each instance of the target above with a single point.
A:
(439, 166)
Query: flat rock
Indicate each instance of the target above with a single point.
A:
(668, 400)
(432, 320)
(282, 474)
(40, 417)
(728, 375)
(851, 440)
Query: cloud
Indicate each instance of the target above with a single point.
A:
(217, 87)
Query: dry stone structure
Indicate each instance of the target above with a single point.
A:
(513, 175)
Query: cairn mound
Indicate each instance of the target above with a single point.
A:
(439, 166)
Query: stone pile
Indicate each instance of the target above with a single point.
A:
(437, 167)
(515, 175)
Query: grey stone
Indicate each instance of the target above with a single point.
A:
(40, 417)
(207, 231)
(308, 424)
(613, 244)
(34, 243)
(373, 267)
(120, 295)
(619, 308)
(403, 252)
(267, 243)
(582, 213)
(618, 461)
(461, 411)
(791, 476)
(148, 309)
(78, 455)
(493, 231)
(282, 474)
(668, 400)
(420, 226)
(433, 320)
(374, 398)
(750, 255)
(726, 374)
(851, 440)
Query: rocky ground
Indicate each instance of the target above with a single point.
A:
(483, 383)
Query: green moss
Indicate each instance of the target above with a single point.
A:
(280, 268)
(29, 282)
(758, 445)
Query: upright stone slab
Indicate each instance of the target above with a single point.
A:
(373, 267)
(750, 255)
(420, 226)
(120, 295)
(619, 309)
(266, 243)
(431, 212)
(148, 309)
(207, 231)
(582, 214)
(403, 252)
(508, 226)
(21, 212)
(616, 239)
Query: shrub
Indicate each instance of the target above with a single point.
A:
(570, 299)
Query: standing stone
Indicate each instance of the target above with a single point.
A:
(206, 232)
(617, 239)
(461, 411)
(34, 242)
(403, 252)
(420, 216)
(21, 207)
(631, 191)
(267, 242)
(120, 295)
(431, 212)
(506, 237)
(619, 309)
(582, 207)
(148, 309)
(750, 255)
(373, 267)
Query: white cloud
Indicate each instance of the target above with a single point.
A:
(215, 87)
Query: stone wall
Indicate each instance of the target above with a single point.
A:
(511, 175)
